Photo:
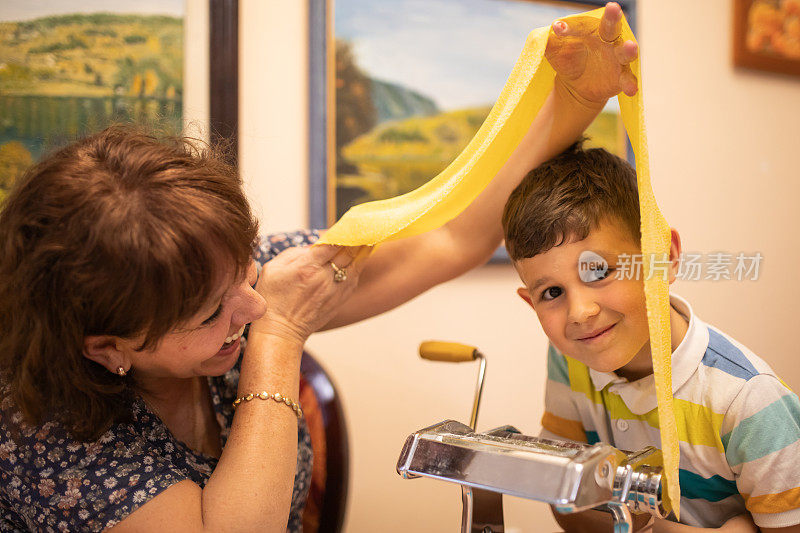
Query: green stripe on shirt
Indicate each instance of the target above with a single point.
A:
(771, 429)
(557, 366)
(713, 489)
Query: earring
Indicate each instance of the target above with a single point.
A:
(121, 371)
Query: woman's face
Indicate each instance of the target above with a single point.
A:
(209, 343)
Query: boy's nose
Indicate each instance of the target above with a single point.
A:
(581, 308)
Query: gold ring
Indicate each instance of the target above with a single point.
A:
(339, 274)
(616, 39)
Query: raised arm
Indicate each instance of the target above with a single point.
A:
(591, 67)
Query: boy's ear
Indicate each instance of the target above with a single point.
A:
(525, 294)
(107, 351)
(674, 254)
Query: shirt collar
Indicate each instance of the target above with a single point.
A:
(639, 396)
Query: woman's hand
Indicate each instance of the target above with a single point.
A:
(301, 292)
(590, 60)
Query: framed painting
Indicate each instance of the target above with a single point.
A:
(72, 67)
(396, 93)
(766, 35)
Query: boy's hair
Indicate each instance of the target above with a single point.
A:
(117, 234)
(568, 196)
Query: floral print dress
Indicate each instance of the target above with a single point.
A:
(51, 482)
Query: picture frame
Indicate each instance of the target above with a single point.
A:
(766, 36)
(223, 82)
(326, 171)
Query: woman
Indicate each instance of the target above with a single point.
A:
(126, 287)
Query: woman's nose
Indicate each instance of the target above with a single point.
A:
(252, 306)
(259, 305)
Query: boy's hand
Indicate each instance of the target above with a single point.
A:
(738, 524)
(590, 59)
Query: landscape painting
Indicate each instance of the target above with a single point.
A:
(72, 67)
(415, 79)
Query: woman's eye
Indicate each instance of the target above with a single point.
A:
(213, 317)
(551, 293)
(253, 272)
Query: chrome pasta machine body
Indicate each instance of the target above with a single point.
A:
(570, 476)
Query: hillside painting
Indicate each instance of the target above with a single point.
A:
(65, 72)
(414, 81)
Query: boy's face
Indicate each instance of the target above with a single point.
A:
(598, 319)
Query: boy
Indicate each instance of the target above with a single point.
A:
(571, 227)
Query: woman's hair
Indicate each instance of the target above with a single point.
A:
(568, 196)
(118, 234)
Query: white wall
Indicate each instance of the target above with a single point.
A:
(723, 150)
(274, 110)
(196, 101)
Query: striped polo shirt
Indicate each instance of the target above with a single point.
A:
(738, 424)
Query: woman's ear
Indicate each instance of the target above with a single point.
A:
(674, 254)
(107, 351)
(525, 294)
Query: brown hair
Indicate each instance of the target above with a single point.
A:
(566, 197)
(117, 234)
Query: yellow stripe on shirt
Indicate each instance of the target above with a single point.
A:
(773, 503)
(569, 429)
(697, 424)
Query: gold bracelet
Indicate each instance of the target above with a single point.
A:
(278, 397)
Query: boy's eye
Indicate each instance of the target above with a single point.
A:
(597, 274)
(551, 293)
